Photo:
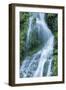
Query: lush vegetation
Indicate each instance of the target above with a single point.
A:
(35, 41)
(24, 19)
(52, 22)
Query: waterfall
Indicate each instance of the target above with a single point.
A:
(40, 63)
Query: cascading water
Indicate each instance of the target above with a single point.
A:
(40, 63)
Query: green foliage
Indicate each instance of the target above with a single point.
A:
(55, 66)
(24, 19)
(52, 22)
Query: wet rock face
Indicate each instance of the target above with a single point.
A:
(45, 69)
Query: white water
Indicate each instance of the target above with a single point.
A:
(35, 66)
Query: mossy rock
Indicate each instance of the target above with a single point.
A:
(55, 65)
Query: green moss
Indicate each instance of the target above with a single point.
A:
(55, 65)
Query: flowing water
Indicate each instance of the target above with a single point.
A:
(40, 63)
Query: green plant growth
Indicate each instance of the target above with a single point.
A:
(52, 22)
(24, 19)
